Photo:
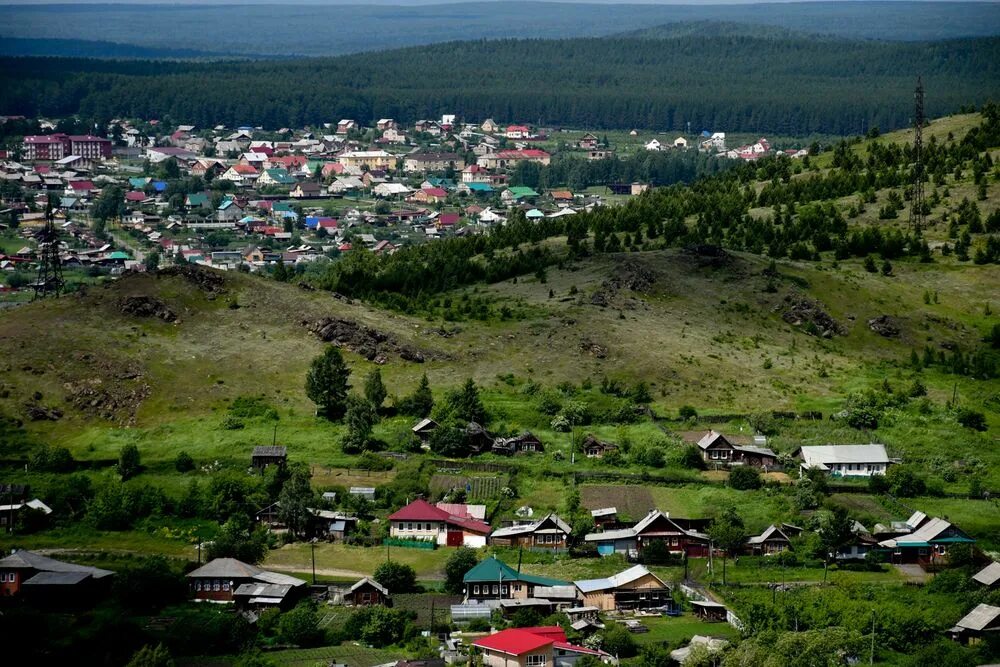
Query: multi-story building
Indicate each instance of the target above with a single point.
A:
(57, 146)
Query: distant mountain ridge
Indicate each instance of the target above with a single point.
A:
(335, 29)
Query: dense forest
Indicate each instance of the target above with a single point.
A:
(317, 28)
(734, 83)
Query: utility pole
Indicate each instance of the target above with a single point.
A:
(312, 548)
(871, 654)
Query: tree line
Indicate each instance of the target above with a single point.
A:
(790, 86)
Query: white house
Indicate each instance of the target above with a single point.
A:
(844, 460)
(680, 142)
(653, 145)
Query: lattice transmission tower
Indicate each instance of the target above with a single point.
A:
(50, 278)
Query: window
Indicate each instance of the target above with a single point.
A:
(496, 590)
(215, 585)
(409, 526)
(536, 661)
(475, 589)
(197, 585)
(504, 589)
(517, 588)
(225, 585)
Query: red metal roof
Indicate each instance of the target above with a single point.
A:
(513, 642)
(553, 632)
(421, 510)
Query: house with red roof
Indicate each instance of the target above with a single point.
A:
(424, 522)
(80, 188)
(241, 174)
(447, 220)
(517, 132)
(428, 196)
(510, 158)
(544, 646)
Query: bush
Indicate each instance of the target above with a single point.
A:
(745, 478)
(396, 577)
(688, 413)
(461, 561)
(129, 461)
(51, 459)
(184, 462)
(902, 481)
(618, 641)
(300, 626)
(971, 419)
(690, 457)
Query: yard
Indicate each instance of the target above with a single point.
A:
(677, 631)
(341, 561)
(351, 654)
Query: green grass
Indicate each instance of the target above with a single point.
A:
(758, 571)
(168, 541)
(340, 560)
(677, 631)
(348, 653)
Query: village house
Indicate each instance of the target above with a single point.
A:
(387, 190)
(924, 541)
(430, 127)
(231, 580)
(346, 125)
(424, 522)
(844, 460)
(708, 610)
(548, 533)
(266, 455)
(425, 162)
(631, 589)
(534, 647)
(306, 190)
(517, 132)
(716, 448)
(653, 145)
(508, 159)
(368, 592)
(241, 175)
(489, 126)
(377, 159)
(977, 624)
(428, 196)
(492, 579)
(385, 124)
(594, 448)
(588, 142)
(677, 535)
(52, 581)
(423, 428)
(276, 177)
(605, 518)
(523, 443)
(772, 541)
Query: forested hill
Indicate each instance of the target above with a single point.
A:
(791, 86)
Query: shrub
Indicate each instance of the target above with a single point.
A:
(687, 413)
(690, 457)
(129, 461)
(300, 626)
(971, 419)
(51, 459)
(745, 478)
(183, 462)
(397, 577)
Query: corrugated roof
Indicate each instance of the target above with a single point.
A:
(989, 575)
(493, 569)
(623, 578)
(823, 455)
(30, 560)
(512, 642)
(980, 617)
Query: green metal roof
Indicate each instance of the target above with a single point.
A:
(522, 191)
(118, 254)
(493, 569)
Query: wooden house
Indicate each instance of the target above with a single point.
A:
(267, 455)
(524, 443)
(975, 626)
(708, 610)
(989, 576)
(631, 589)
(928, 544)
(772, 541)
(223, 580)
(716, 448)
(677, 536)
(492, 579)
(423, 429)
(51, 581)
(594, 448)
(548, 533)
(477, 437)
(368, 592)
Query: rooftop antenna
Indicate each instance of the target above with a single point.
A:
(917, 199)
(50, 280)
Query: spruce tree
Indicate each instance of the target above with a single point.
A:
(326, 383)
(374, 388)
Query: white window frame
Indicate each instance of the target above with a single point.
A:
(536, 660)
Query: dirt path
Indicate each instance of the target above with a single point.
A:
(913, 573)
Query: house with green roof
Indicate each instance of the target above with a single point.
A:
(517, 193)
(197, 200)
(278, 177)
(492, 579)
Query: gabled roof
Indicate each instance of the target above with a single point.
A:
(823, 455)
(980, 617)
(513, 642)
(231, 568)
(623, 578)
(493, 569)
(371, 582)
(929, 532)
(268, 450)
(639, 528)
(421, 510)
(29, 560)
(534, 526)
(710, 439)
(989, 575)
(772, 532)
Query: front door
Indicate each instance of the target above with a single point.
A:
(454, 538)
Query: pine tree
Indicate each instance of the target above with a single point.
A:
(374, 389)
(326, 383)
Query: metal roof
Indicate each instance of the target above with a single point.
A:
(623, 578)
(823, 455)
(980, 617)
(989, 575)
